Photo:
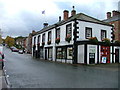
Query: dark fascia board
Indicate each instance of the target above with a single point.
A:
(64, 46)
(96, 22)
(99, 43)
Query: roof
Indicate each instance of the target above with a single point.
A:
(79, 16)
(114, 18)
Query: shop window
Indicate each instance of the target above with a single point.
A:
(88, 32)
(69, 53)
(50, 53)
(103, 34)
(61, 53)
(41, 53)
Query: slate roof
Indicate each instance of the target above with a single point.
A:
(79, 16)
(114, 18)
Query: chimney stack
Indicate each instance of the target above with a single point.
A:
(45, 24)
(59, 18)
(33, 31)
(115, 13)
(108, 15)
(66, 14)
(73, 12)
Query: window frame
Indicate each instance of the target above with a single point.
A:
(69, 25)
(34, 40)
(43, 37)
(56, 33)
(49, 36)
(103, 31)
(86, 32)
(38, 41)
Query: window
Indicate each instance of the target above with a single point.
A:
(38, 39)
(50, 53)
(103, 34)
(34, 40)
(88, 32)
(43, 37)
(64, 53)
(69, 29)
(69, 53)
(41, 53)
(61, 53)
(58, 33)
(49, 36)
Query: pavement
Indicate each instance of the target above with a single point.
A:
(4, 82)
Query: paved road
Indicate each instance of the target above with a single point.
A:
(26, 72)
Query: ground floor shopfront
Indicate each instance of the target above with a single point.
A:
(86, 53)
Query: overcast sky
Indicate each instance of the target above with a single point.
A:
(20, 17)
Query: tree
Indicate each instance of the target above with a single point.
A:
(9, 41)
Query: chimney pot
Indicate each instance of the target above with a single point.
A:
(115, 13)
(45, 24)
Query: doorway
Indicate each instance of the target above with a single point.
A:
(117, 55)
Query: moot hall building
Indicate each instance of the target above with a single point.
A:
(78, 38)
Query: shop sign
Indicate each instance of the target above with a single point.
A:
(92, 49)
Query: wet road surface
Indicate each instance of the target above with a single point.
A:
(26, 72)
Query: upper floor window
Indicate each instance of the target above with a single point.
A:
(43, 37)
(69, 29)
(103, 34)
(38, 39)
(58, 33)
(34, 40)
(88, 32)
(49, 36)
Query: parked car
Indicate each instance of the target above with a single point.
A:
(20, 51)
(14, 49)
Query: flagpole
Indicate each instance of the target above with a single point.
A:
(43, 12)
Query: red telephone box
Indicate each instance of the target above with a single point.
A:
(105, 52)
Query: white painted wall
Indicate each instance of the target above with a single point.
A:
(96, 30)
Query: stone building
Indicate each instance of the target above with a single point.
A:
(114, 19)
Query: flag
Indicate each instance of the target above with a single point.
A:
(43, 12)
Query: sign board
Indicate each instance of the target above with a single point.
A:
(92, 49)
(104, 59)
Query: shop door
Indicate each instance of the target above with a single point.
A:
(91, 58)
(117, 55)
(105, 54)
(45, 54)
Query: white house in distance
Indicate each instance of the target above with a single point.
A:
(58, 42)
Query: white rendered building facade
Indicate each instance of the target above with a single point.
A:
(56, 42)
